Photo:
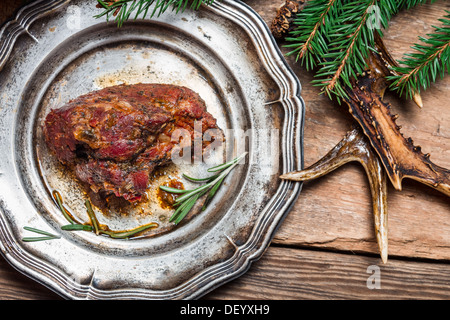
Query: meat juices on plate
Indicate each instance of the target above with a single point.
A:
(115, 137)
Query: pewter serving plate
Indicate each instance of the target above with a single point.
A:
(54, 51)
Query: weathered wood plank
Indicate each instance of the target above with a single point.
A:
(286, 273)
(15, 286)
(335, 212)
(290, 273)
(8, 7)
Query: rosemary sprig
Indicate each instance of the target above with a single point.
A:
(113, 234)
(57, 197)
(46, 235)
(187, 200)
(184, 204)
(93, 226)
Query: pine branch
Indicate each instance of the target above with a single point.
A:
(336, 36)
(423, 67)
(350, 40)
(310, 26)
(408, 4)
(124, 10)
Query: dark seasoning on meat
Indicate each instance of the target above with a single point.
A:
(115, 139)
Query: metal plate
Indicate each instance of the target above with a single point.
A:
(55, 51)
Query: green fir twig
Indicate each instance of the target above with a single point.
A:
(408, 4)
(431, 60)
(311, 27)
(335, 38)
(124, 10)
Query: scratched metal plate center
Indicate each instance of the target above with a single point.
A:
(55, 51)
(143, 52)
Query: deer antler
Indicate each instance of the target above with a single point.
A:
(378, 143)
(398, 154)
(355, 147)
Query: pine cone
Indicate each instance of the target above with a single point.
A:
(282, 23)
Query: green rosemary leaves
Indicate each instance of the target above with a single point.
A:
(184, 203)
(188, 198)
(45, 235)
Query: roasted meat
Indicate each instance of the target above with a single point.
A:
(115, 137)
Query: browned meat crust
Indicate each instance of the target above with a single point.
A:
(115, 137)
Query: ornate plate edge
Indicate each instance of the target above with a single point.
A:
(25, 17)
(264, 229)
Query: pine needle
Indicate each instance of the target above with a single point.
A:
(335, 38)
(311, 24)
(431, 60)
(124, 10)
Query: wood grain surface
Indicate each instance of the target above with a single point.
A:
(325, 248)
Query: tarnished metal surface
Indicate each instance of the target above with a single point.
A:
(226, 54)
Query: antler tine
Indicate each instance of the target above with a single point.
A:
(355, 147)
(400, 157)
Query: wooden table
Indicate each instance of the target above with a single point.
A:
(326, 249)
